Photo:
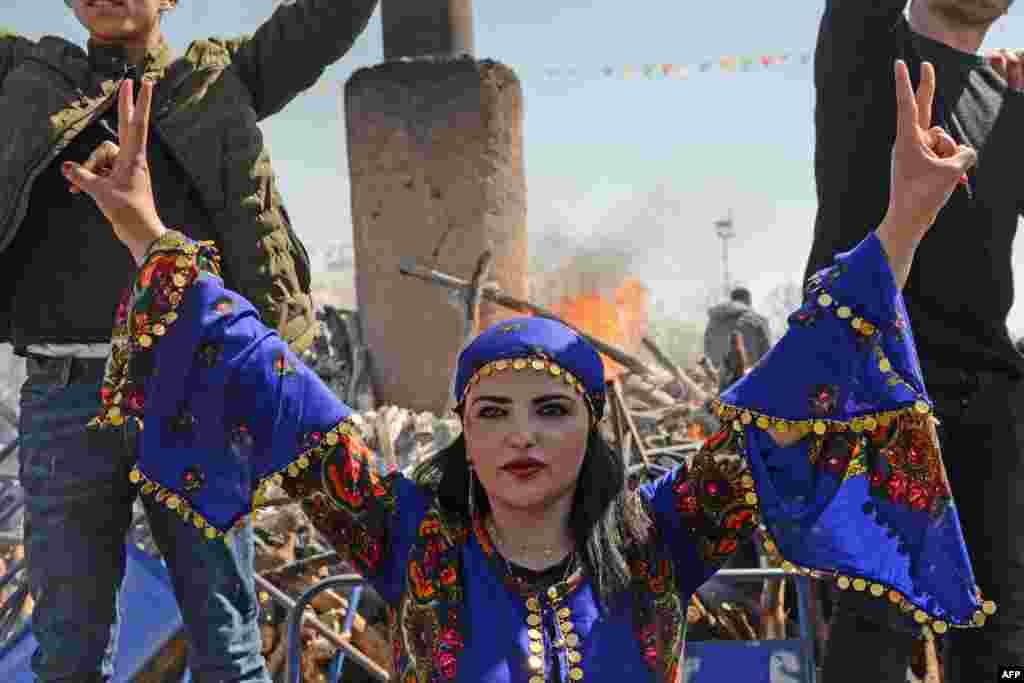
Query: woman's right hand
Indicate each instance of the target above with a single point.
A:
(121, 185)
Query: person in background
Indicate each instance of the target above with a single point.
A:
(61, 274)
(958, 294)
(735, 316)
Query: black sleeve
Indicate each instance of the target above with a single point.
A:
(851, 35)
(853, 77)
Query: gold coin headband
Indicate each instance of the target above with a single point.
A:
(535, 364)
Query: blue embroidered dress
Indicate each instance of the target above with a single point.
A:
(861, 498)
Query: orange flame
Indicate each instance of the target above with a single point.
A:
(618, 319)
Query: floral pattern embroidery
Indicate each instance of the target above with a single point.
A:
(907, 468)
(429, 626)
(657, 615)
(823, 400)
(144, 315)
(346, 497)
(715, 497)
(193, 479)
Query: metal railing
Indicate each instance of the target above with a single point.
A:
(297, 615)
(806, 630)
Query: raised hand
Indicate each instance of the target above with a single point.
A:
(1010, 65)
(927, 166)
(118, 178)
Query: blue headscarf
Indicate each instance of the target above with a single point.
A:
(537, 345)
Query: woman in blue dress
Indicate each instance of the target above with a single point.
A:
(518, 554)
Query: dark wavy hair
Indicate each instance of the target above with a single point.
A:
(607, 519)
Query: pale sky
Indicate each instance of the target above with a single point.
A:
(646, 162)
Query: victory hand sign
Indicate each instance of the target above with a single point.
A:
(118, 179)
(927, 166)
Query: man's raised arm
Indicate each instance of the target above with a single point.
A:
(291, 50)
(13, 49)
(849, 32)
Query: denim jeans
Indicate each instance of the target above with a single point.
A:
(982, 443)
(78, 509)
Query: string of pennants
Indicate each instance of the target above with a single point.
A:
(728, 64)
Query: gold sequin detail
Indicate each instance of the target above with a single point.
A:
(576, 673)
(535, 662)
(536, 648)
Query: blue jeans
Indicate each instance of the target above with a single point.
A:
(78, 510)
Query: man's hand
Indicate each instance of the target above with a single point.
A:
(927, 165)
(1010, 65)
(118, 179)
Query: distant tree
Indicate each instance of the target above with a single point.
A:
(780, 303)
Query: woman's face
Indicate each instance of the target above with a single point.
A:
(526, 435)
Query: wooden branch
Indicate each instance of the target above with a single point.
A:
(693, 391)
(357, 359)
(471, 313)
(628, 361)
(617, 424)
(617, 393)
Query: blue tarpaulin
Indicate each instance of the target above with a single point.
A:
(150, 618)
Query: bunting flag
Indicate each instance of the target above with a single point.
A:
(725, 64)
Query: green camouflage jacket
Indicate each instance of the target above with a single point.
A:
(205, 110)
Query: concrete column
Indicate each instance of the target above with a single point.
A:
(427, 28)
(435, 155)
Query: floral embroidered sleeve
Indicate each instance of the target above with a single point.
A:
(860, 495)
(228, 409)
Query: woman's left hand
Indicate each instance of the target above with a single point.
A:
(927, 166)
(121, 185)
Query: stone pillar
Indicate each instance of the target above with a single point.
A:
(422, 28)
(435, 156)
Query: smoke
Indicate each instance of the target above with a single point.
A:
(623, 240)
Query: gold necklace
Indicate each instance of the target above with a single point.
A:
(524, 550)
